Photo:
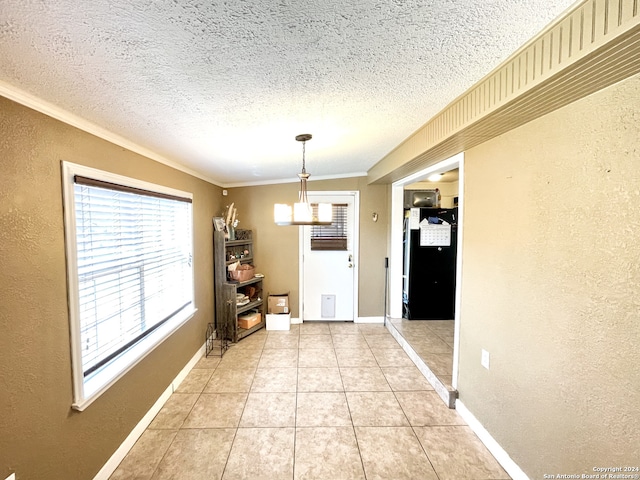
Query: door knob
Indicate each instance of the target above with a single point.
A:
(351, 265)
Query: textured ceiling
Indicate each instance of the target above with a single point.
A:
(223, 87)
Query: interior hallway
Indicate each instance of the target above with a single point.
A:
(321, 401)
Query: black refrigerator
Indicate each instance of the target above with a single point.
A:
(429, 273)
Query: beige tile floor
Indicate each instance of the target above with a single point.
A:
(321, 401)
(432, 340)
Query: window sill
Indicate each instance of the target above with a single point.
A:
(100, 382)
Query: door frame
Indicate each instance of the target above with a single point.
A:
(356, 250)
(396, 253)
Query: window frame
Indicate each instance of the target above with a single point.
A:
(87, 390)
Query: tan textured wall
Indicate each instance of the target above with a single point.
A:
(550, 284)
(276, 248)
(41, 436)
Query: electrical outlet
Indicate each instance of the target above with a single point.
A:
(224, 193)
(484, 361)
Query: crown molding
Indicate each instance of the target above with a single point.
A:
(31, 101)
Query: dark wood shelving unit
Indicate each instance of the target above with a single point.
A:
(226, 252)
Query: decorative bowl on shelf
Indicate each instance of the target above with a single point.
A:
(242, 273)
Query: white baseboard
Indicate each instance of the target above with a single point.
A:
(357, 320)
(494, 447)
(188, 367)
(107, 470)
(369, 320)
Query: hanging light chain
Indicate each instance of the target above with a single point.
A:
(302, 213)
(303, 138)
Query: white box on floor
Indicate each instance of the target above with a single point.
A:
(278, 321)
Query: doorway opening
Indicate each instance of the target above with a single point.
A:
(435, 343)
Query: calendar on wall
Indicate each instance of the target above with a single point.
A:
(434, 235)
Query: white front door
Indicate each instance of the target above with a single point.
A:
(329, 277)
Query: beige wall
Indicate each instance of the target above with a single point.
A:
(276, 248)
(41, 436)
(550, 284)
(550, 281)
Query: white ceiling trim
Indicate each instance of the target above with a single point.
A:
(28, 100)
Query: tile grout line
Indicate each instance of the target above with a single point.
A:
(235, 433)
(425, 453)
(181, 425)
(295, 413)
(416, 436)
(262, 352)
(353, 427)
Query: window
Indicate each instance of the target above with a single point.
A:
(129, 265)
(334, 236)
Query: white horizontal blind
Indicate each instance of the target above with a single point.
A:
(334, 236)
(134, 263)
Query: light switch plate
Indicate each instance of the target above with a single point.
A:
(484, 361)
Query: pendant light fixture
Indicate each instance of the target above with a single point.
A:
(302, 212)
